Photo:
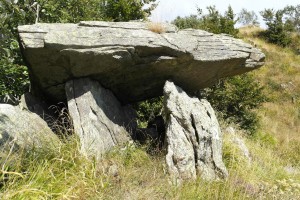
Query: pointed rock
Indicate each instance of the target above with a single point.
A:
(193, 135)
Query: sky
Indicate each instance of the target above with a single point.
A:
(168, 10)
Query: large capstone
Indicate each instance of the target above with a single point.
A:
(130, 59)
(99, 119)
(193, 136)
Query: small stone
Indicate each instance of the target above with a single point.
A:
(243, 148)
(230, 130)
(113, 170)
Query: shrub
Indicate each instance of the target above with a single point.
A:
(235, 98)
(148, 110)
(13, 75)
(213, 21)
(126, 10)
(13, 79)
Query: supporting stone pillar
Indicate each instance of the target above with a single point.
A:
(193, 137)
(98, 118)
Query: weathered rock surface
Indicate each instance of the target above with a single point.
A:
(24, 129)
(56, 116)
(98, 117)
(129, 59)
(32, 104)
(193, 136)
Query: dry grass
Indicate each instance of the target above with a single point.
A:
(131, 173)
(156, 27)
(281, 77)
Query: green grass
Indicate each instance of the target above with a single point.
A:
(131, 173)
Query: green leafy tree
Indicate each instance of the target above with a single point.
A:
(213, 21)
(126, 10)
(235, 98)
(228, 22)
(193, 21)
(292, 17)
(246, 17)
(277, 31)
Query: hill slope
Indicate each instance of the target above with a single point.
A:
(281, 77)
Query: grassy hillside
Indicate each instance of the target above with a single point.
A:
(272, 172)
(280, 117)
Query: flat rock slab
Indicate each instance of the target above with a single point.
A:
(130, 59)
(193, 136)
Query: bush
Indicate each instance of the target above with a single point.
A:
(147, 110)
(13, 79)
(235, 98)
(213, 21)
(126, 10)
(13, 75)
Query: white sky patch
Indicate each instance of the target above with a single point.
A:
(168, 10)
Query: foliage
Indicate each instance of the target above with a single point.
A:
(213, 21)
(235, 98)
(125, 10)
(248, 18)
(277, 31)
(193, 21)
(148, 110)
(292, 17)
(13, 79)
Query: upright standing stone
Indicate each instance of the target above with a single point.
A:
(98, 118)
(193, 137)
